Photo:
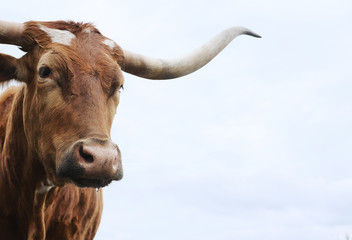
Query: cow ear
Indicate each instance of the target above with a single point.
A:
(9, 68)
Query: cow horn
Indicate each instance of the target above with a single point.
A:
(158, 69)
(11, 32)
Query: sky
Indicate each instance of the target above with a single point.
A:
(257, 145)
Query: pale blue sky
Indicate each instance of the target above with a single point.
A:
(256, 145)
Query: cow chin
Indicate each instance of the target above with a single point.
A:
(91, 163)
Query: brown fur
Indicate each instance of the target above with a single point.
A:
(40, 121)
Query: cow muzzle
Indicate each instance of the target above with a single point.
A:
(91, 162)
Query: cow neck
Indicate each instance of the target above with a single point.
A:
(21, 172)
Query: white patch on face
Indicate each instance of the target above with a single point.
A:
(110, 43)
(87, 30)
(58, 36)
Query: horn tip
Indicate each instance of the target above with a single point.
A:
(239, 30)
(251, 33)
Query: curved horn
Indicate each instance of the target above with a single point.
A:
(11, 32)
(153, 68)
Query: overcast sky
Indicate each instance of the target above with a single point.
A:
(256, 145)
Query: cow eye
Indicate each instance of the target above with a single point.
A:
(114, 88)
(44, 72)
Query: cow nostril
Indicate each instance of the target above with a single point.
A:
(86, 156)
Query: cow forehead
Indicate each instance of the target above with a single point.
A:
(80, 42)
(62, 32)
(58, 36)
(65, 37)
(78, 49)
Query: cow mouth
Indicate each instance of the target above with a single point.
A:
(93, 183)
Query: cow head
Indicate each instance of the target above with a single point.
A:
(72, 75)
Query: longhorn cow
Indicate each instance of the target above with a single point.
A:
(55, 145)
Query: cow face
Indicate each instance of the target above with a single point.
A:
(72, 80)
